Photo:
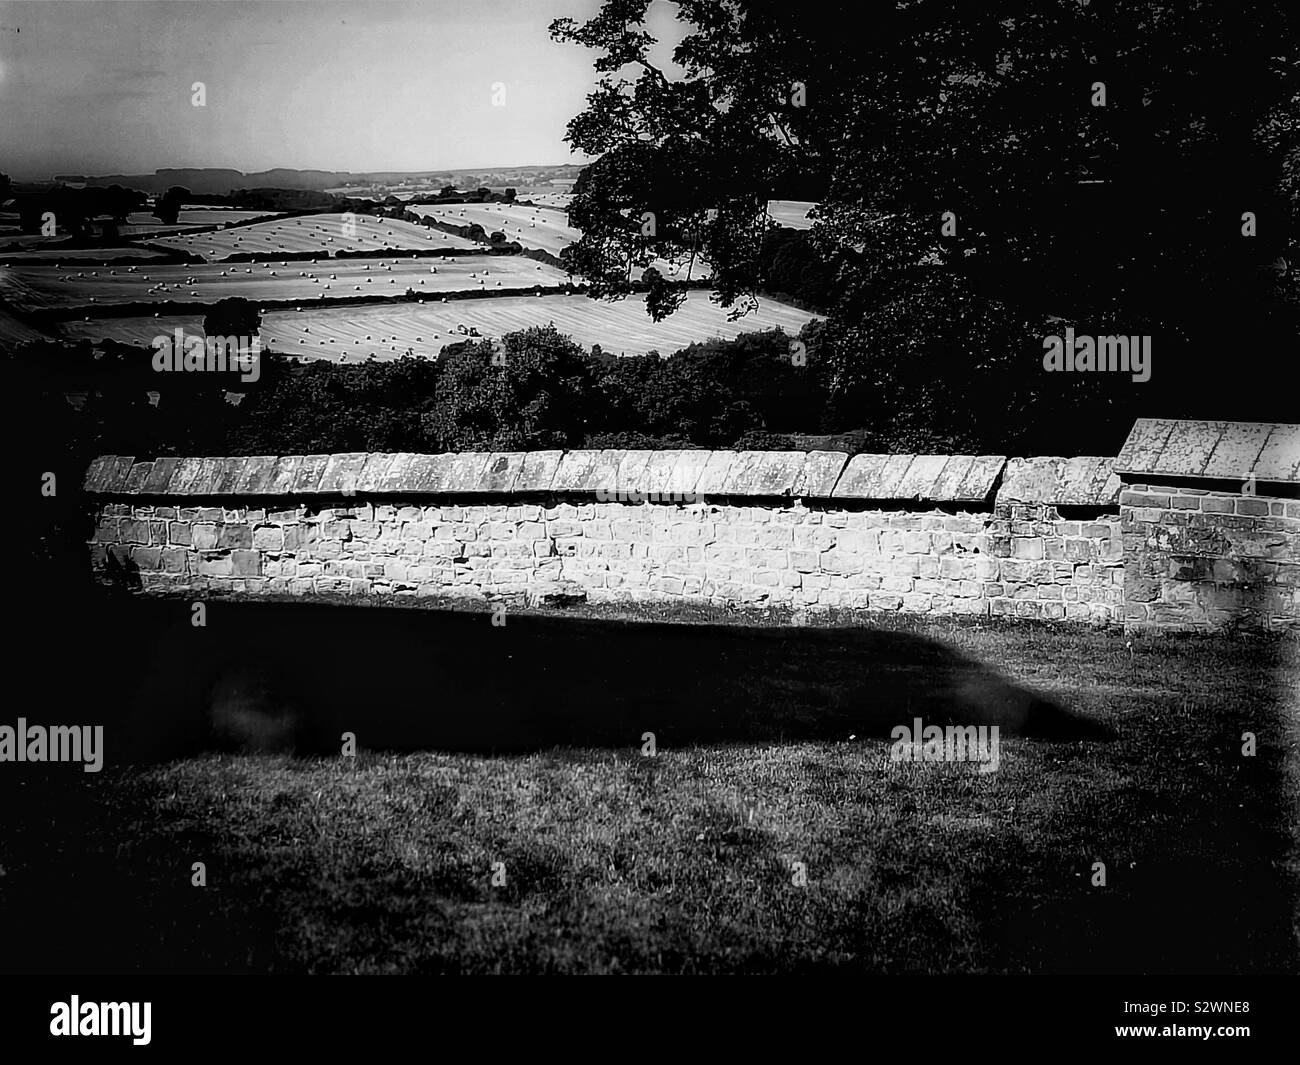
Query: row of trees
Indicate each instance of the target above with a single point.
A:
(532, 389)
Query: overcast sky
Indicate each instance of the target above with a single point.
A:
(104, 86)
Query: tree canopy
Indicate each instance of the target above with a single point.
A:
(986, 175)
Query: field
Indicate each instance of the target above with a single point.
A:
(38, 287)
(793, 214)
(533, 228)
(139, 224)
(90, 254)
(355, 332)
(772, 749)
(323, 233)
(548, 199)
(14, 331)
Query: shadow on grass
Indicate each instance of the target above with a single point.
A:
(1195, 881)
(276, 676)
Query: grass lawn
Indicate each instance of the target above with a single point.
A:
(684, 862)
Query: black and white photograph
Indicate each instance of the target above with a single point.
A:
(651, 488)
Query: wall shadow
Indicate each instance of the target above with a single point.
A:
(280, 676)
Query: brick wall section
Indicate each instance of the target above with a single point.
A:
(807, 536)
(1201, 559)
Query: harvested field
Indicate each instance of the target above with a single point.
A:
(534, 228)
(43, 287)
(549, 199)
(387, 331)
(323, 233)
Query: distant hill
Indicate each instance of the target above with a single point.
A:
(221, 182)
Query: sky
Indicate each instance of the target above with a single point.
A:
(105, 86)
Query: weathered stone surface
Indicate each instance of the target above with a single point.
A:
(631, 475)
(209, 474)
(395, 475)
(717, 470)
(136, 478)
(947, 485)
(310, 471)
(119, 469)
(766, 473)
(861, 477)
(575, 471)
(821, 470)
(160, 476)
(257, 475)
(342, 472)
(373, 471)
(920, 477)
(1187, 450)
(539, 471)
(658, 474)
(1279, 460)
(1055, 480)
(427, 473)
(1221, 450)
(228, 475)
(982, 476)
(466, 472)
(604, 474)
(96, 473)
(501, 471)
(1146, 440)
(187, 472)
(892, 474)
(286, 472)
(1237, 450)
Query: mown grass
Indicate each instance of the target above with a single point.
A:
(684, 862)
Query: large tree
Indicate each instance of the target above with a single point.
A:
(1092, 163)
(167, 206)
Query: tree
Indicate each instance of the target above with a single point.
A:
(167, 206)
(233, 316)
(529, 390)
(972, 198)
(510, 195)
(119, 202)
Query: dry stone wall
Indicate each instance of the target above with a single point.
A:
(926, 534)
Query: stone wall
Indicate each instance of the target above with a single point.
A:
(1205, 559)
(1211, 524)
(975, 535)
